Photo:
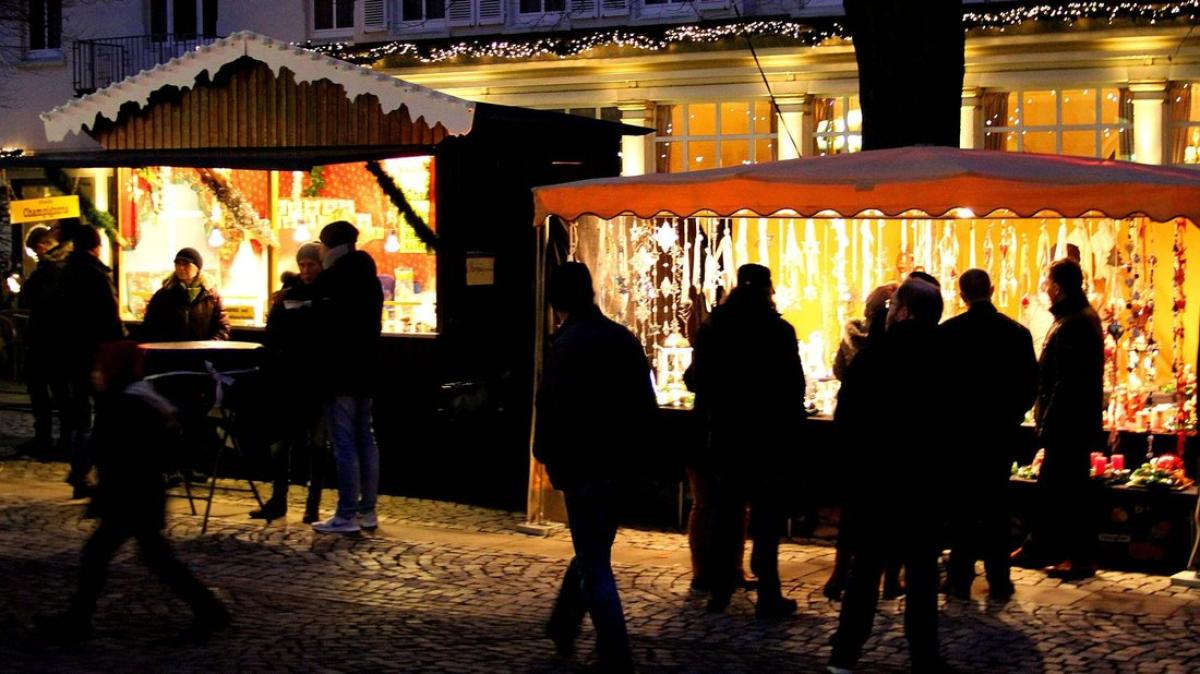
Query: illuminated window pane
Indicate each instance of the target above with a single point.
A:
(735, 118)
(735, 152)
(854, 116)
(764, 117)
(702, 119)
(668, 157)
(702, 154)
(1110, 106)
(667, 120)
(1014, 110)
(1193, 104)
(1038, 108)
(764, 151)
(1079, 106)
(1114, 144)
(1079, 143)
(1043, 142)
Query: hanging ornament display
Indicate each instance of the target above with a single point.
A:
(812, 256)
(866, 262)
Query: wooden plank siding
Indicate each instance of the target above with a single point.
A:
(252, 107)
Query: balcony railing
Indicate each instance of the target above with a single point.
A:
(100, 62)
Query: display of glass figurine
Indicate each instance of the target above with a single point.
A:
(671, 360)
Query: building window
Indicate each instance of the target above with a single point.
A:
(1087, 122)
(45, 25)
(185, 19)
(695, 136)
(541, 6)
(423, 10)
(1183, 109)
(333, 14)
(837, 125)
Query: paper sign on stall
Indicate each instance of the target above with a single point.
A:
(481, 270)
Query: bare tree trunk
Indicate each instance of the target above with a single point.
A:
(910, 70)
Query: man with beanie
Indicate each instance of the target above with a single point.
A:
(349, 310)
(83, 317)
(184, 309)
(993, 378)
(595, 376)
(46, 386)
(292, 335)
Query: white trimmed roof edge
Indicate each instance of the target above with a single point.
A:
(455, 114)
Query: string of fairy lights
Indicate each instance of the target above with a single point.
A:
(657, 38)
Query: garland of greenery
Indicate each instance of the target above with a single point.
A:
(427, 235)
(99, 219)
(237, 207)
(316, 182)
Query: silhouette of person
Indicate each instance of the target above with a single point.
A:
(133, 425)
(890, 406)
(993, 382)
(595, 385)
(748, 380)
(1068, 418)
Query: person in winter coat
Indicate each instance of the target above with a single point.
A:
(1069, 422)
(890, 407)
(860, 334)
(43, 379)
(292, 334)
(349, 311)
(134, 428)
(748, 379)
(993, 381)
(184, 309)
(83, 317)
(595, 385)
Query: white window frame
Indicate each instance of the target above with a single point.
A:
(845, 133)
(44, 53)
(409, 25)
(685, 138)
(1058, 127)
(530, 18)
(336, 31)
(681, 7)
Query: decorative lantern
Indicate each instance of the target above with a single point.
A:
(672, 359)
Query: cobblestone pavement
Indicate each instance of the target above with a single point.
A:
(445, 587)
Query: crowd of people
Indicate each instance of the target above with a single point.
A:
(918, 396)
(80, 357)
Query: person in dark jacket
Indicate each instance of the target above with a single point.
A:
(47, 388)
(890, 408)
(292, 334)
(748, 379)
(594, 387)
(860, 334)
(84, 316)
(349, 310)
(994, 377)
(1068, 418)
(134, 425)
(184, 309)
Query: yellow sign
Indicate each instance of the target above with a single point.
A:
(50, 208)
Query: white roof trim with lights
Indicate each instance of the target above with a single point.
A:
(455, 114)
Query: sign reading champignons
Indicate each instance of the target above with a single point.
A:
(49, 208)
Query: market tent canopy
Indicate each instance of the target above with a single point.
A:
(934, 180)
(431, 107)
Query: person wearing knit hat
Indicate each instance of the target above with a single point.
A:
(293, 340)
(185, 309)
(349, 309)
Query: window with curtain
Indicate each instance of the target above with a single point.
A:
(837, 125)
(696, 136)
(1082, 122)
(45, 25)
(1183, 111)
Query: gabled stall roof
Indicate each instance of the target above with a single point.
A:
(934, 180)
(455, 115)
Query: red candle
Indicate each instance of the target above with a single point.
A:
(1100, 465)
(1118, 462)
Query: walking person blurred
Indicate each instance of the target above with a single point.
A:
(890, 402)
(595, 385)
(292, 346)
(43, 379)
(348, 301)
(993, 380)
(748, 381)
(134, 424)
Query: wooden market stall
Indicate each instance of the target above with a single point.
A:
(245, 148)
(664, 249)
